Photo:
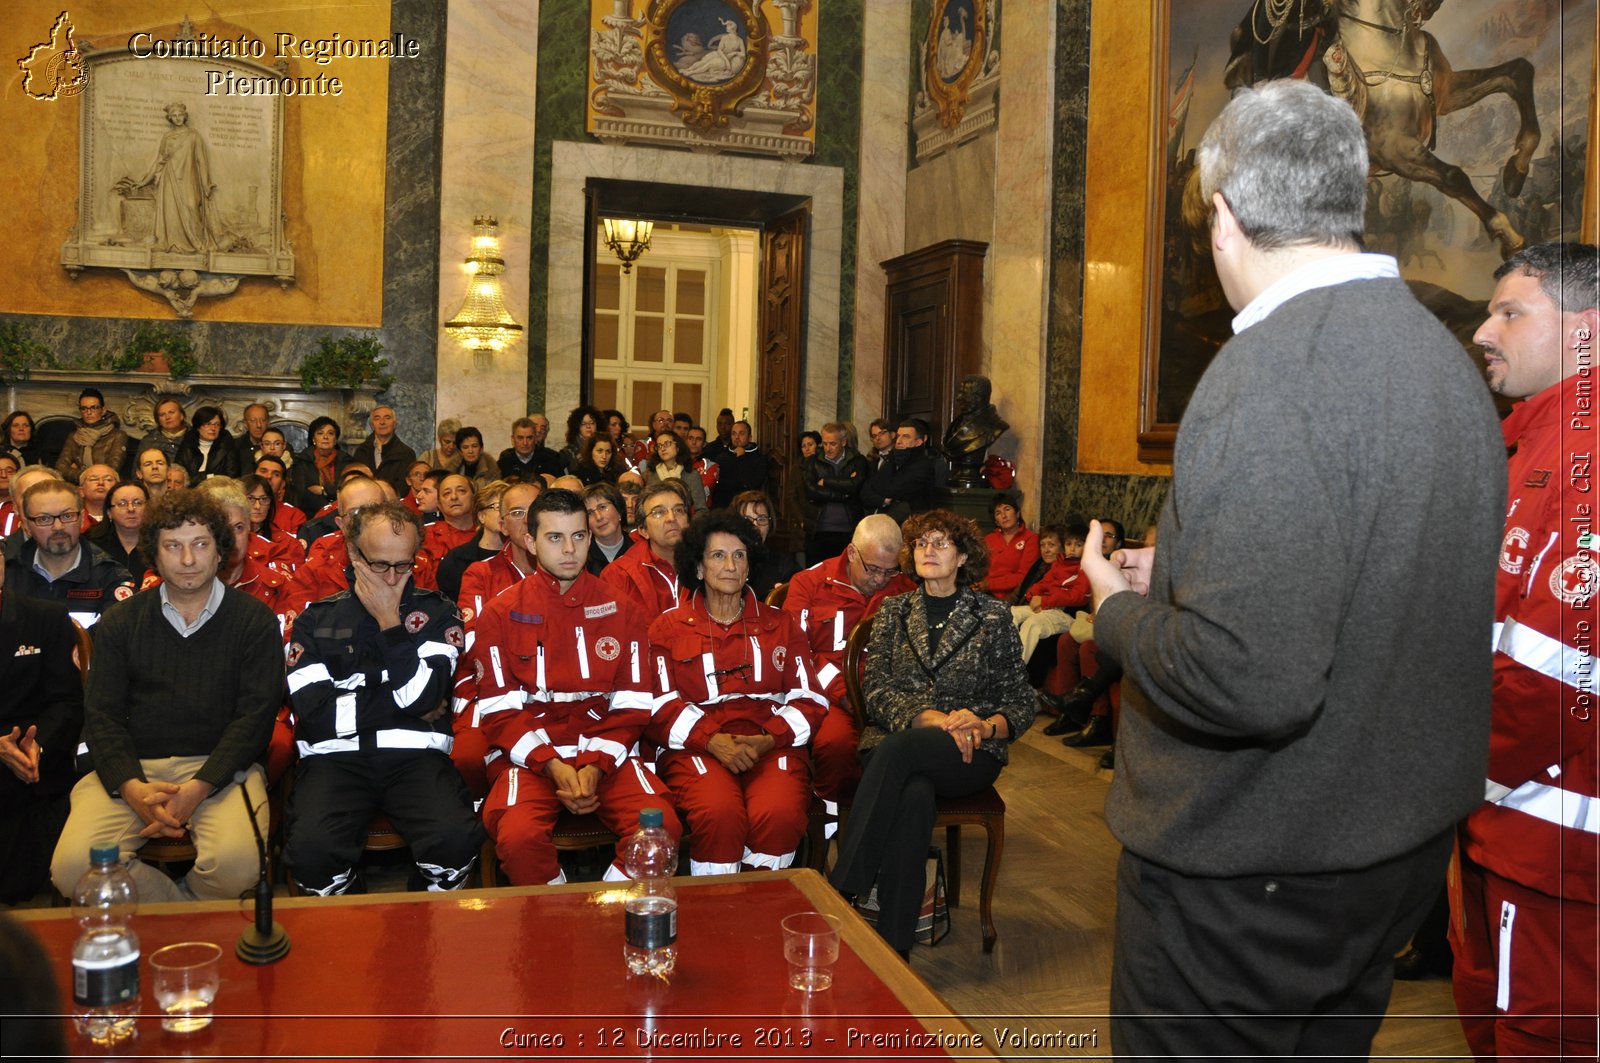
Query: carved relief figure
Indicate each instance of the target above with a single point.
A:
(955, 45)
(181, 174)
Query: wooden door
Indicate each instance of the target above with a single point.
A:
(780, 383)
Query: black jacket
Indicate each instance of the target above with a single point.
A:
(827, 483)
(223, 460)
(902, 486)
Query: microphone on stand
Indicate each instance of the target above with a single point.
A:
(265, 941)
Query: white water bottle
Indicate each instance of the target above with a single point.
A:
(650, 943)
(105, 957)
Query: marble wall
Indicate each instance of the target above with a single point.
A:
(410, 253)
(491, 81)
(1135, 500)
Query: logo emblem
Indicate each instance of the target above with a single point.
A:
(295, 650)
(1573, 581)
(779, 655)
(122, 593)
(416, 621)
(455, 636)
(467, 613)
(608, 648)
(1514, 550)
(54, 68)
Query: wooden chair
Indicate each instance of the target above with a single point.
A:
(986, 809)
(571, 832)
(82, 651)
(777, 594)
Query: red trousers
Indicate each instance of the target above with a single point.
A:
(835, 765)
(1527, 980)
(757, 817)
(521, 810)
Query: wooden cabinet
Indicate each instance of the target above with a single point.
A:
(935, 329)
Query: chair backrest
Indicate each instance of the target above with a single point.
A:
(82, 651)
(777, 594)
(855, 663)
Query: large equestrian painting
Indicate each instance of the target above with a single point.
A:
(1476, 114)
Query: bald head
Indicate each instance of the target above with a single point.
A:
(878, 533)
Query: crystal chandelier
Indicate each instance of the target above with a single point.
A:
(483, 322)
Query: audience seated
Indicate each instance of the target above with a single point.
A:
(186, 680)
(118, 537)
(327, 568)
(445, 453)
(565, 695)
(385, 453)
(527, 459)
(1052, 600)
(486, 544)
(207, 449)
(286, 516)
(829, 599)
(667, 462)
(475, 464)
(381, 745)
(608, 539)
(582, 425)
(171, 426)
(16, 438)
(736, 705)
(10, 465)
(269, 544)
(458, 517)
(314, 478)
(1013, 549)
(768, 568)
(694, 441)
(254, 577)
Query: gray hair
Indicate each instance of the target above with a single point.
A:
(1566, 273)
(878, 530)
(1291, 163)
(396, 514)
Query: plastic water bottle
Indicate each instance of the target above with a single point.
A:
(105, 958)
(650, 942)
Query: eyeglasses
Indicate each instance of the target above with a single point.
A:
(383, 568)
(258, 500)
(935, 545)
(492, 505)
(45, 520)
(763, 519)
(129, 503)
(516, 514)
(89, 409)
(875, 570)
(661, 512)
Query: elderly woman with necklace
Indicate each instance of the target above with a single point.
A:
(736, 706)
(946, 695)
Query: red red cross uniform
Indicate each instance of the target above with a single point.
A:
(564, 678)
(1526, 932)
(480, 584)
(1009, 562)
(646, 580)
(829, 607)
(751, 677)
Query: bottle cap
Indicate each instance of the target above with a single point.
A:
(650, 817)
(104, 854)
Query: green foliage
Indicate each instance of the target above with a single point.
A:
(151, 338)
(347, 362)
(20, 353)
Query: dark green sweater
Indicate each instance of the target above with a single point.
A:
(153, 693)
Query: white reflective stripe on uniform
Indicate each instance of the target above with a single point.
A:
(839, 635)
(525, 745)
(511, 787)
(1548, 656)
(709, 664)
(778, 698)
(631, 699)
(805, 619)
(683, 725)
(538, 673)
(797, 723)
(1555, 805)
(755, 660)
(1502, 989)
(303, 677)
(768, 860)
(606, 747)
(407, 695)
(583, 655)
(661, 673)
(327, 745)
(494, 661)
(466, 643)
(827, 673)
(344, 715)
(561, 697)
(705, 867)
(1538, 560)
(633, 659)
(401, 738)
(614, 874)
(644, 780)
(85, 620)
(699, 765)
(510, 701)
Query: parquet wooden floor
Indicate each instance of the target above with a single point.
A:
(1050, 971)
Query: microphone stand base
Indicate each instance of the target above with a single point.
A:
(257, 948)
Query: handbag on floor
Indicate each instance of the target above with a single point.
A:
(933, 918)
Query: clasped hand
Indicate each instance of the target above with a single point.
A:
(965, 727)
(739, 753)
(21, 752)
(165, 807)
(576, 788)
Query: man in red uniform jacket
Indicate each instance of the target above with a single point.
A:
(1526, 933)
(645, 574)
(829, 600)
(564, 694)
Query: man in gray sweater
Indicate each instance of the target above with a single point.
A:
(1308, 648)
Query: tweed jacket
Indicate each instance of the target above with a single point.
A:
(977, 666)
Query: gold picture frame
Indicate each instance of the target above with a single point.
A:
(712, 73)
(954, 55)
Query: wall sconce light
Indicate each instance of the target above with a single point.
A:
(483, 322)
(628, 239)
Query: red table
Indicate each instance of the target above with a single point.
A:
(538, 971)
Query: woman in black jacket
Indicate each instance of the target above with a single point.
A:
(314, 476)
(946, 695)
(207, 449)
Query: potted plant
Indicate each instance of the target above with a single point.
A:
(157, 349)
(20, 353)
(347, 362)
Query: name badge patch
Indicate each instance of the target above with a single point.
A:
(590, 612)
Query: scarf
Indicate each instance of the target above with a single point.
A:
(88, 438)
(325, 466)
